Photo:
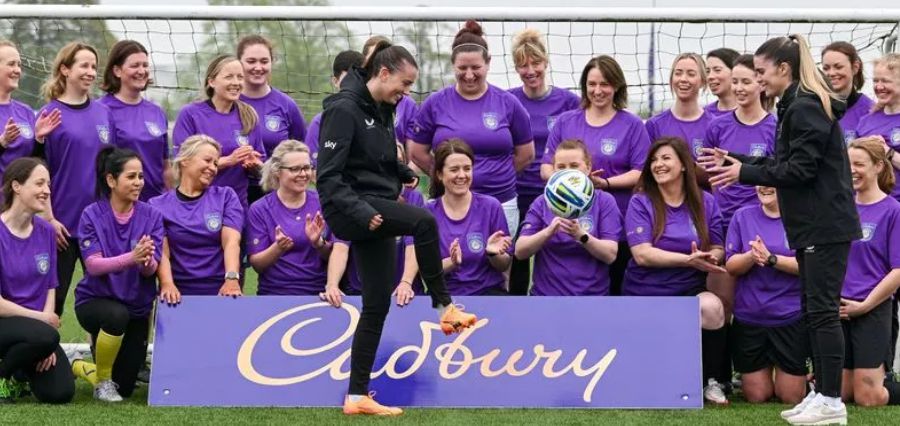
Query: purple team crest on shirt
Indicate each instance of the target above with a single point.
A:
(608, 145)
(849, 135)
(895, 136)
(868, 230)
(757, 149)
(586, 223)
(103, 133)
(475, 241)
(213, 221)
(551, 121)
(42, 261)
(490, 120)
(697, 144)
(153, 128)
(240, 139)
(25, 130)
(273, 123)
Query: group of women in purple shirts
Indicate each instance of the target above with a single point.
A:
(236, 183)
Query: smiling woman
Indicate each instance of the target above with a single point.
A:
(140, 124)
(360, 176)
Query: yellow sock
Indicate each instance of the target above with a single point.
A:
(85, 370)
(107, 350)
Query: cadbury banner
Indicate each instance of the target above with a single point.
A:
(612, 352)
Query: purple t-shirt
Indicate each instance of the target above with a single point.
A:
(713, 108)
(194, 231)
(850, 120)
(692, 132)
(354, 282)
(485, 216)
(102, 233)
(493, 125)
(616, 147)
(404, 117)
(764, 296)
(757, 140)
(678, 233)
(300, 271)
(312, 138)
(279, 118)
(877, 253)
(563, 266)
(27, 276)
(543, 113)
(202, 118)
(71, 151)
(886, 126)
(23, 145)
(143, 128)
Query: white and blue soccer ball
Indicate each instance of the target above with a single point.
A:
(569, 193)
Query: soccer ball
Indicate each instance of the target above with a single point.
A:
(569, 193)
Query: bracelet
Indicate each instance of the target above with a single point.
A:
(406, 282)
(607, 183)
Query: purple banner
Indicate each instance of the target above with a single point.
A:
(604, 352)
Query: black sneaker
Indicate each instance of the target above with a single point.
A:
(144, 374)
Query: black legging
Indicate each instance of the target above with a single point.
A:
(23, 343)
(520, 270)
(822, 270)
(112, 317)
(65, 268)
(375, 253)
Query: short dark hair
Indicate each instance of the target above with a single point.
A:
(725, 55)
(345, 61)
(111, 161)
(117, 56)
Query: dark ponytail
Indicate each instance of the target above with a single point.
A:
(111, 161)
(387, 55)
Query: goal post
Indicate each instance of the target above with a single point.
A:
(182, 39)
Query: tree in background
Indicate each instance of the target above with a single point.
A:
(39, 40)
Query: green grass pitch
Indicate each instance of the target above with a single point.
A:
(85, 411)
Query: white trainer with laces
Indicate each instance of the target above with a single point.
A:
(786, 414)
(820, 413)
(107, 391)
(715, 393)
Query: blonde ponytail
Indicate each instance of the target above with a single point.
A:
(810, 77)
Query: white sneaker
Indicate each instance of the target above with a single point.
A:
(786, 414)
(819, 413)
(107, 391)
(715, 393)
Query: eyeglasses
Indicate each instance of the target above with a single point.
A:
(298, 169)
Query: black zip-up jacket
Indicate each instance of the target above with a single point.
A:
(811, 171)
(357, 153)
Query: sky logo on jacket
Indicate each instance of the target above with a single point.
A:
(329, 145)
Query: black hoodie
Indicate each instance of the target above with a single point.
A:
(811, 171)
(357, 153)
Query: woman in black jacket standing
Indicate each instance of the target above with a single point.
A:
(359, 182)
(812, 173)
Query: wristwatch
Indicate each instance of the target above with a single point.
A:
(772, 260)
(232, 276)
(584, 238)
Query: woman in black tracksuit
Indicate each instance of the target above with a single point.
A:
(812, 173)
(359, 181)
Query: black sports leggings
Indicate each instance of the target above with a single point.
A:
(23, 343)
(65, 268)
(375, 254)
(822, 270)
(112, 317)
